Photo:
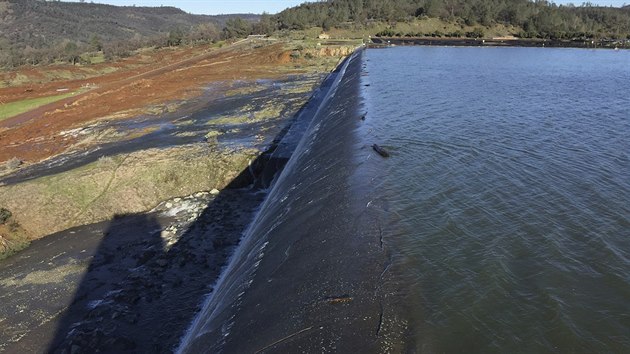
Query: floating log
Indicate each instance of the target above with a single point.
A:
(380, 150)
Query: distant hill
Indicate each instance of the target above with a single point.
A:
(535, 19)
(40, 24)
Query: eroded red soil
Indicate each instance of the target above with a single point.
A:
(150, 79)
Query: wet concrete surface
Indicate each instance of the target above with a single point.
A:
(311, 272)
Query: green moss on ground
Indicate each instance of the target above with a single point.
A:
(12, 109)
(13, 238)
(129, 183)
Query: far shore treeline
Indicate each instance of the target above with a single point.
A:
(42, 32)
(535, 19)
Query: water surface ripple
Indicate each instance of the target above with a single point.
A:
(508, 194)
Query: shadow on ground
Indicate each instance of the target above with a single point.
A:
(139, 293)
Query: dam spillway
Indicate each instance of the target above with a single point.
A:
(310, 270)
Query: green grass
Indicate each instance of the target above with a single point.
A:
(97, 59)
(93, 58)
(12, 109)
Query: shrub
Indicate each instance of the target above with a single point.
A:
(5, 214)
(14, 163)
(14, 226)
(476, 33)
(386, 33)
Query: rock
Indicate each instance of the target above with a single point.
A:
(214, 191)
(75, 349)
(131, 318)
(168, 205)
(146, 256)
(177, 200)
(121, 344)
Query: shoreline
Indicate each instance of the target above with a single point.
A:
(378, 42)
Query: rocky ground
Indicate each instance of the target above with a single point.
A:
(131, 284)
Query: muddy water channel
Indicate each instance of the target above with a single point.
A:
(233, 114)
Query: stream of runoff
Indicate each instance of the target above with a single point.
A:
(507, 195)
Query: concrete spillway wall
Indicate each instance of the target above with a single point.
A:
(308, 272)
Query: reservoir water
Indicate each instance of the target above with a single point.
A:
(506, 199)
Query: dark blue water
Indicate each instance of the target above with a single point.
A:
(507, 195)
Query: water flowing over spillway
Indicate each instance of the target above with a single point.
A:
(309, 268)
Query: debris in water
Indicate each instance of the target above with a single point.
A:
(343, 299)
(380, 150)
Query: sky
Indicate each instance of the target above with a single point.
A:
(211, 7)
(214, 7)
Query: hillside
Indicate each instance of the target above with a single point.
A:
(530, 19)
(32, 25)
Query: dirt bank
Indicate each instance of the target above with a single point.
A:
(154, 79)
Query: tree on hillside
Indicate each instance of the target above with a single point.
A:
(95, 43)
(205, 32)
(71, 53)
(175, 37)
(237, 28)
(265, 25)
